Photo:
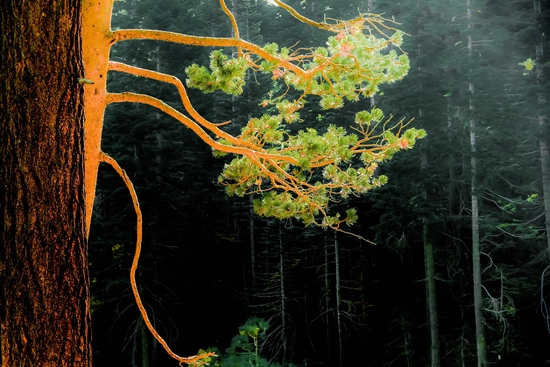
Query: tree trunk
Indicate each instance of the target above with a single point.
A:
(282, 295)
(327, 300)
(251, 215)
(429, 273)
(543, 126)
(476, 251)
(476, 262)
(44, 300)
(545, 169)
(429, 266)
(144, 344)
(338, 290)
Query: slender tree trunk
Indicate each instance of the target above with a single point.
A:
(327, 302)
(406, 341)
(429, 272)
(44, 300)
(544, 142)
(476, 263)
(429, 267)
(282, 294)
(452, 168)
(545, 169)
(338, 298)
(252, 241)
(144, 345)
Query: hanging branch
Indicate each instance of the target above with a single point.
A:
(139, 231)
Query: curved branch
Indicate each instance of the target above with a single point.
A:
(231, 18)
(300, 17)
(146, 34)
(113, 163)
(167, 78)
(145, 99)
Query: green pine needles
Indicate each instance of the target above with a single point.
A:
(307, 170)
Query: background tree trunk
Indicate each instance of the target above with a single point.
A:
(429, 273)
(476, 246)
(541, 117)
(44, 299)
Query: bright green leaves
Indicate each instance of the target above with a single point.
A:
(365, 117)
(355, 65)
(298, 175)
(284, 205)
(334, 146)
(264, 130)
(329, 167)
(335, 221)
(529, 64)
(245, 347)
(225, 74)
(254, 328)
(242, 171)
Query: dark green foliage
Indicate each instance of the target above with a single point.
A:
(246, 347)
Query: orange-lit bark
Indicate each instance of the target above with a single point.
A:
(96, 39)
(44, 300)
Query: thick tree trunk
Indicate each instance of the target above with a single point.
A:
(44, 300)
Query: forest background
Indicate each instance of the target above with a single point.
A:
(478, 85)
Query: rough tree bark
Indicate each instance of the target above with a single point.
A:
(44, 300)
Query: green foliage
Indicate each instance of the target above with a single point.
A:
(529, 64)
(225, 74)
(245, 347)
(312, 167)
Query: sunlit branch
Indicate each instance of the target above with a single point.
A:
(145, 99)
(342, 75)
(145, 34)
(300, 17)
(291, 187)
(166, 78)
(189, 360)
(287, 186)
(374, 20)
(233, 22)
